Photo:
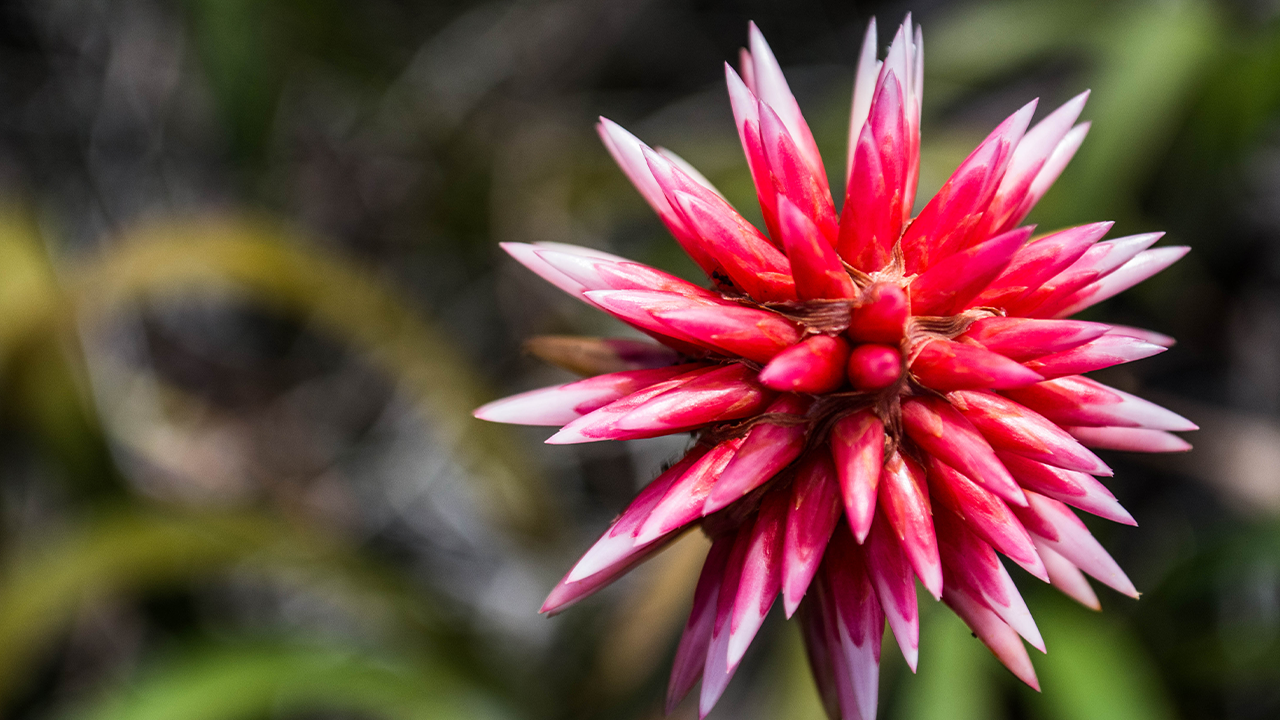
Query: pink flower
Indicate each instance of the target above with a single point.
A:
(875, 398)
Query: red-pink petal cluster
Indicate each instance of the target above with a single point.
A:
(875, 398)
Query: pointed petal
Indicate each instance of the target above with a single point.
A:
(687, 169)
(1053, 167)
(761, 578)
(944, 365)
(1038, 261)
(560, 404)
(1081, 401)
(948, 220)
(717, 672)
(940, 430)
(1028, 160)
(815, 265)
(811, 517)
(904, 500)
(599, 274)
(973, 568)
(953, 282)
(815, 365)
(597, 424)
(1054, 525)
(1101, 353)
(1009, 426)
(859, 623)
(770, 86)
(619, 542)
(1077, 489)
(682, 503)
(1068, 578)
(767, 448)
(635, 307)
(873, 214)
(1102, 258)
(1000, 639)
(857, 446)
(896, 588)
(1140, 268)
(691, 654)
(1023, 339)
(864, 85)
(1150, 336)
(1131, 439)
(793, 177)
(746, 115)
(984, 514)
(754, 334)
(727, 393)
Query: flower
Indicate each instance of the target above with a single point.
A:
(875, 398)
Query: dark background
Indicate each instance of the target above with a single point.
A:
(250, 290)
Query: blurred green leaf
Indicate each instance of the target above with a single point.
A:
(1095, 669)
(258, 680)
(956, 679)
(277, 269)
(132, 551)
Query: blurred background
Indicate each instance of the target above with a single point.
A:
(250, 290)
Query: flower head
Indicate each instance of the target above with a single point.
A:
(875, 398)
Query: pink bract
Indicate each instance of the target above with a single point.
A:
(873, 397)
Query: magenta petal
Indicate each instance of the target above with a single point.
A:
(1140, 268)
(1081, 401)
(1068, 578)
(1131, 439)
(859, 623)
(1037, 262)
(940, 430)
(683, 501)
(873, 213)
(761, 578)
(619, 542)
(1030, 157)
(949, 286)
(561, 404)
(904, 500)
(943, 365)
(857, 446)
(1044, 299)
(947, 221)
(814, 365)
(767, 448)
(1144, 335)
(1101, 353)
(1024, 339)
(747, 257)
(725, 394)
(985, 515)
(717, 672)
(811, 517)
(793, 178)
(691, 654)
(882, 316)
(598, 424)
(815, 265)
(753, 334)
(1000, 639)
(1054, 525)
(1077, 489)
(973, 568)
(896, 588)
(1009, 426)
(768, 83)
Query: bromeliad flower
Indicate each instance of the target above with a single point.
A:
(875, 398)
